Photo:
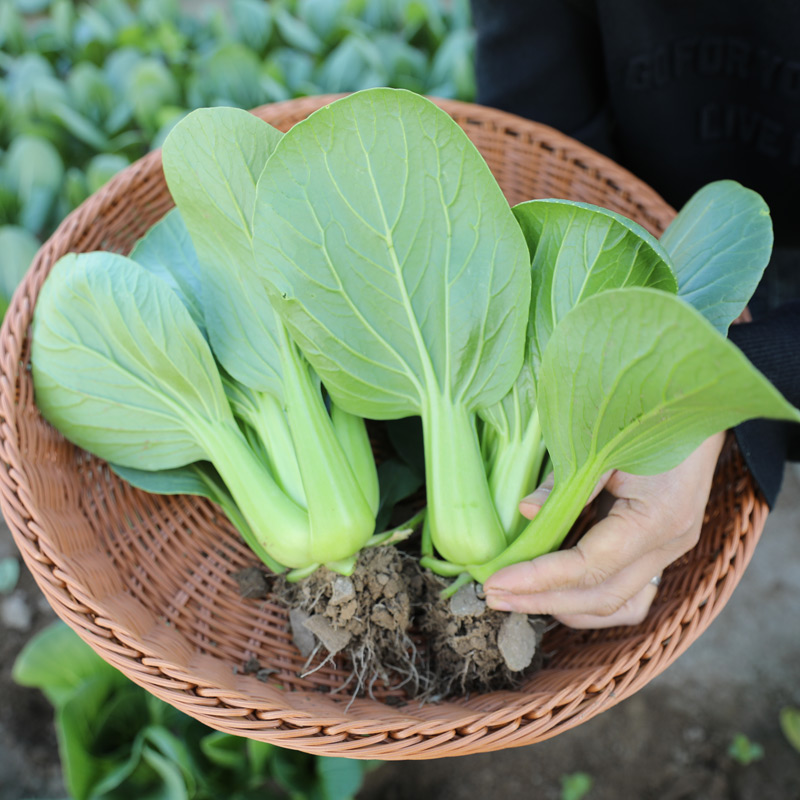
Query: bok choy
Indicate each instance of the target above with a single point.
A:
(306, 485)
(121, 369)
(324, 460)
(389, 251)
(366, 265)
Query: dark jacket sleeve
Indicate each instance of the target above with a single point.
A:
(772, 344)
(544, 61)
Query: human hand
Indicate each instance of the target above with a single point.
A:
(607, 577)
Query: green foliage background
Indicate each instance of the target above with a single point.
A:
(118, 742)
(88, 87)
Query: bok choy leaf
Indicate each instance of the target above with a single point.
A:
(720, 243)
(632, 379)
(389, 250)
(166, 250)
(577, 250)
(212, 160)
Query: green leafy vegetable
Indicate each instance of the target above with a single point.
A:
(90, 92)
(790, 725)
(577, 250)
(632, 379)
(35, 170)
(720, 243)
(79, 126)
(112, 78)
(138, 363)
(513, 448)
(357, 60)
(253, 22)
(167, 251)
(390, 252)
(155, 362)
(744, 751)
(576, 785)
(151, 86)
(18, 247)
(102, 168)
(452, 73)
(212, 160)
(9, 574)
(214, 186)
(56, 660)
(228, 75)
(655, 388)
(296, 32)
(116, 740)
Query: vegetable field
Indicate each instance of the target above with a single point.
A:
(87, 88)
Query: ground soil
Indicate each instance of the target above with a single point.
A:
(670, 741)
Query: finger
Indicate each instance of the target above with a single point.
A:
(604, 600)
(603, 550)
(609, 547)
(529, 506)
(633, 612)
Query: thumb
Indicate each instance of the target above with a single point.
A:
(529, 506)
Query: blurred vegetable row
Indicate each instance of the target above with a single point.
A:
(87, 88)
(117, 741)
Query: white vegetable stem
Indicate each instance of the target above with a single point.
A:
(462, 520)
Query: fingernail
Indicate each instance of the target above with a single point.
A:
(495, 589)
(497, 604)
(536, 498)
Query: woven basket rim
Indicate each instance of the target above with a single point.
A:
(316, 723)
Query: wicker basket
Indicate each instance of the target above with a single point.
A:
(147, 580)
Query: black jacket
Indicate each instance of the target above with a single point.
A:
(680, 92)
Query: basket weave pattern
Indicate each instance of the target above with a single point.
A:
(147, 580)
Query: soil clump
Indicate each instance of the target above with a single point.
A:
(367, 617)
(390, 621)
(474, 648)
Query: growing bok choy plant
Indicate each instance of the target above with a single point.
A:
(388, 249)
